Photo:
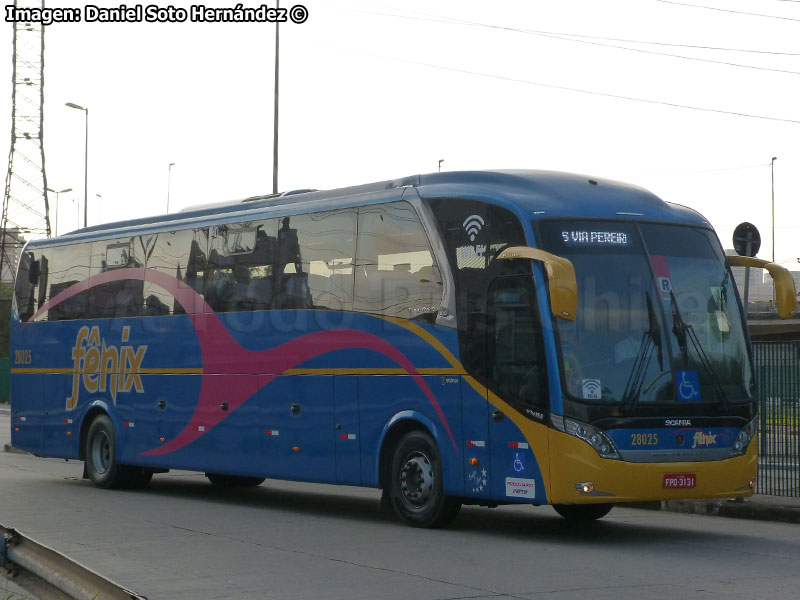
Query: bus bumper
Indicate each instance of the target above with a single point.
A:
(573, 463)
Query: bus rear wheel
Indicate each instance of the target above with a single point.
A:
(583, 512)
(231, 481)
(100, 455)
(416, 485)
(100, 459)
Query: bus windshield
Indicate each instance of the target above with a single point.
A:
(658, 320)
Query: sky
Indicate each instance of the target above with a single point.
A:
(379, 90)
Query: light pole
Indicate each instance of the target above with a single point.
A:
(169, 180)
(275, 118)
(441, 160)
(772, 174)
(57, 194)
(85, 163)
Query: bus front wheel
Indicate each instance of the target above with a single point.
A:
(416, 486)
(583, 512)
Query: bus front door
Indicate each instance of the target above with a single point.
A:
(516, 374)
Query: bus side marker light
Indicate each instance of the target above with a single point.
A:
(69, 433)
(296, 448)
(16, 429)
(473, 462)
(585, 487)
(161, 440)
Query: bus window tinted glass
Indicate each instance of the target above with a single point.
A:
(514, 343)
(122, 297)
(314, 261)
(240, 266)
(66, 268)
(27, 286)
(179, 254)
(474, 233)
(396, 272)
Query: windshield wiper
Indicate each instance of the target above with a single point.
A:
(651, 339)
(684, 331)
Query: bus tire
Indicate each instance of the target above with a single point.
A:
(416, 486)
(231, 481)
(583, 512)
(100, 456)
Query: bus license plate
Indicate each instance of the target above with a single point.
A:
(680, 480)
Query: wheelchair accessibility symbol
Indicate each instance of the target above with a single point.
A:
(519, 462)
(688, 386)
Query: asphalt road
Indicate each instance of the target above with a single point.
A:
(180, 538)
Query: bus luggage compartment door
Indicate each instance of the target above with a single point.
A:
(298, 424)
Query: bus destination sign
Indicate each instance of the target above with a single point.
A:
(594, 238)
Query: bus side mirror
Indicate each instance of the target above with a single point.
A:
(561, 280)
(785, 292)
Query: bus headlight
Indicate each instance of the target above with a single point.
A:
(593, 436)
(743, 439)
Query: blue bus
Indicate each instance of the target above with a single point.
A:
(453, 338)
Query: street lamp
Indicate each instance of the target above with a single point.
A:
(85, 163)
(169, 180)
(57, 195)
(275, 116)
(772, 173)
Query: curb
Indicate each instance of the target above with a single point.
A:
(736, 509)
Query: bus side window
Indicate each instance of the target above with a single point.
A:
(174, 253)
(314, 265)
(514, 344)
(396, 272)
(239, 273)
(121, 298)
(67, 269)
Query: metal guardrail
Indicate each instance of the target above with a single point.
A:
(50, 575)
(778, 378)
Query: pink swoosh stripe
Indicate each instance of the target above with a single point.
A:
(218, 349)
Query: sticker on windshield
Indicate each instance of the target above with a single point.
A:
(688, 386)
(663, 277)
(592, 390)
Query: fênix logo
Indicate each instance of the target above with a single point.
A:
(104, 367)
(704, 439)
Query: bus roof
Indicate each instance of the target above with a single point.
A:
(538, 194)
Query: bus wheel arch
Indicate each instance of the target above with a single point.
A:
(88, 419)
(99, 454)
(412, 477)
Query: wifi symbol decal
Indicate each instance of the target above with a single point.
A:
(473, 226)
(592, 390)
